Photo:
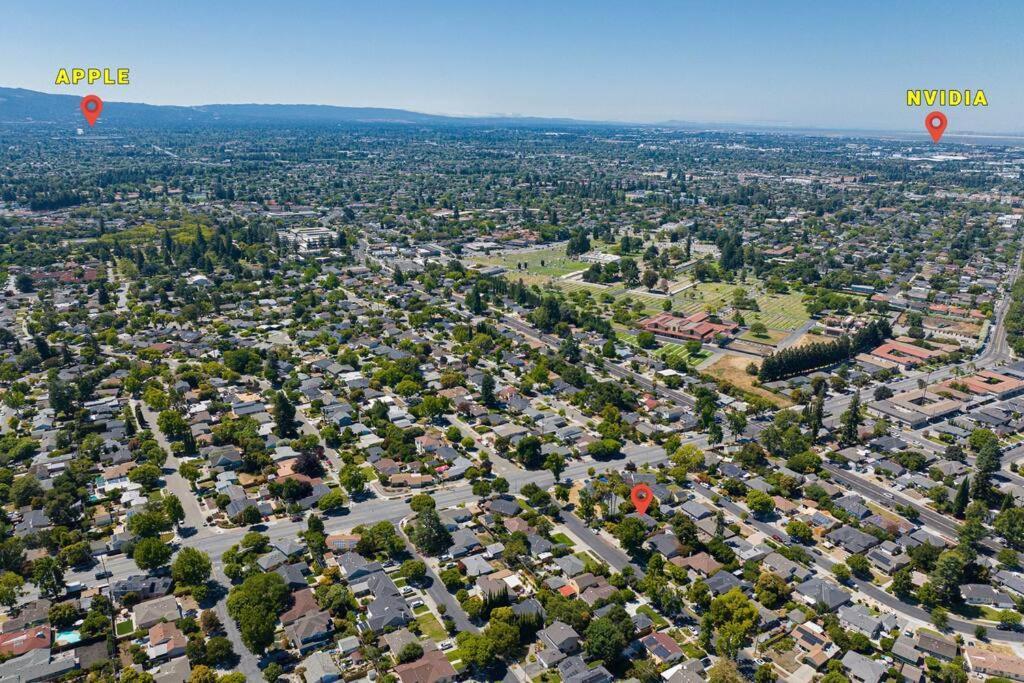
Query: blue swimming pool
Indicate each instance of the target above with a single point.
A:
(68, 637)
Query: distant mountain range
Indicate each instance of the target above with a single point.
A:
(18, 105)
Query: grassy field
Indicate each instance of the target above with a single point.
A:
(773, 337)
(733, 369)
(540, 263)
(679, 352)
(777, 311)
(431, 627)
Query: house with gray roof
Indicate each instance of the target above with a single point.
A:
(984, 594)
(863, 670)
(817, 591)
(387, 611)
(561, 637)
(858, 618)
(852, 540)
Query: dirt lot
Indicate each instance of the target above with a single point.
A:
(812, 338)
(733, 369)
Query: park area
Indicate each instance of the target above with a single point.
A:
(780, 313)
(783, 312)
(534, 266)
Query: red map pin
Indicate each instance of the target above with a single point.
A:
(91, 108)
(936, 124)
(641, 495)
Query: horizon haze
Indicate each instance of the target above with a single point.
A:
(789, 65)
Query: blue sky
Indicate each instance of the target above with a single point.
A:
(830, 64)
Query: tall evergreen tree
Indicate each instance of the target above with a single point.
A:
(962, 498)
(487, 390)
(850, 421)
(284, 416)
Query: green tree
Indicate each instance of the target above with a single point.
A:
(724, 671)
(850, 421)
(475, 649)
(771, 590)
(48, 577)
(191, 567)
(151, 553)
(555, 463)
(1010, 525)
(528, 452)
(273, 672)
(503, 636)
(219, 651)
(63, 614)
(254, 605)
(859, 565)
(353, 479)
(765, 674)
(414, 570)
(147, 476)
(409, 653)
(800, 531)
(421, 502)
(190, 471)
(760, 503)
(631, 533)
(962, 498)
(735, 618)
(172, 424)
(902, 582)
(429, 535)
(173, 508)
(25, 489)
(947, 575)
(487, 390)
(604, 640)
(332, 501)
(11, 587)
(284, 416)
(1009, 619)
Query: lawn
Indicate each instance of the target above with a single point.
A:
(540, 263)
(563, 539)
(431, 627)
(777, 311)
(123, 628)
(422, 609)
(659, 621)
(672, 351)
(772, 337)
(692, 651)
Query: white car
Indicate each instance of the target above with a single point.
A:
(447, 644)
(416, 603)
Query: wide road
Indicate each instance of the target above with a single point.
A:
(946, 526)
